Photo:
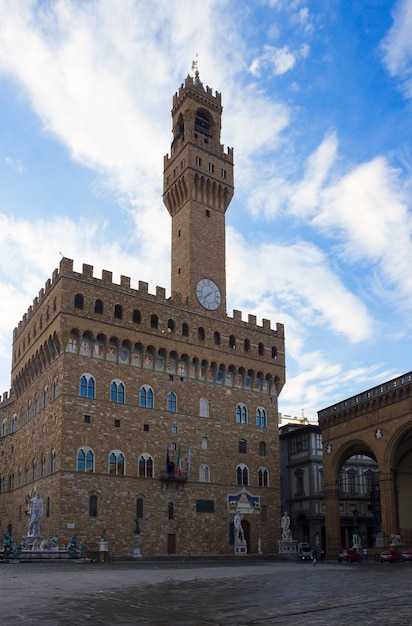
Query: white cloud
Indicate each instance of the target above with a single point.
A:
(14, 164)
(277, 60)
(299, 279)
(397, 46)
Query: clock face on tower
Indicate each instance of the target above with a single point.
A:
(208, 294)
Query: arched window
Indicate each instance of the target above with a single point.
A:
(98, 307)
(42, 466)
(170, 509)
(93, 505)
(78, 301)
(261, 416)
(139, 508)
(154, 321)
(117, 465)
(204, 443)
(261, 349)
(14, 423)
(263, 477)
(4, 427)
(241, 413)
(204, 473)
(85, 459)
(136, 317)
(44, 397)
(242, 474)
(117, 391)
(171, 402)
(55, 388)
(52, 462)
(232, 341)
(204, 407)
(274, 352)
(246, 345)
(242, 446)
(185, 330)
(118, 312)
(87, 386)
(171, 326)
(145, 466)
(36, 404)
(201, 333)
(216, 337)
(146, 397)
(262, 448)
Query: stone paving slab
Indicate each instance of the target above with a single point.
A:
(212, 593)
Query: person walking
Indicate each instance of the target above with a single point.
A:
(314, 556)
(365, 554)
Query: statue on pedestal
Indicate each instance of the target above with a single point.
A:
(35, 510)
(239, 532)
(285, 524)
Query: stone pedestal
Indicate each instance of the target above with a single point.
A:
(288, 548)
(103, 549)
(136, 551)
(240, 547)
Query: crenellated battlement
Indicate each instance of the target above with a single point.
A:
(87, 276)
(195, 86)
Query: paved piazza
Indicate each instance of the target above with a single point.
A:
(238, 592)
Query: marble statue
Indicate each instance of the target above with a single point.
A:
(285, 524)
(239, 532)
(35, 511)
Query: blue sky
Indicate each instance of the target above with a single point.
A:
(317, 105)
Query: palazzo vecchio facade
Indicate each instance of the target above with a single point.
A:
(126, 404)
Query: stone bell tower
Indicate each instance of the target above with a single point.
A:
(197, 189)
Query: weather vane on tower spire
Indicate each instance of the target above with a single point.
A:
(195, 66)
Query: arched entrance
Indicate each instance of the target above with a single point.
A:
(378, 424)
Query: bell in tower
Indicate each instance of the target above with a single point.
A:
(198, 187)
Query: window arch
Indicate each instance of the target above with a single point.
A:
(274, 352)
(136, 316)
(36, 404)
(139, 508)
(154, 321)
(55, 388)
(247, 345)
(145, 466)
(241, 413)
(171, 402)
(146, 397)
(261, 349)
(261, 416)
(98, 307)
(204, 473)
(42, 466)
(263, 477)
(232, 341)
(242, 446)
(117, 391)
(201, 333)
(14, 423)
(85, 459)
(185, 330)
(242, 474)
(262, 448)
(44, 397)
(118, 311)
(4, 426)
(171, 325)
(52, 462)
(78, 301)
(216, 337)
(93, 505)
(117, 463)
(87, 386)
(204, 407)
